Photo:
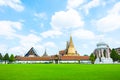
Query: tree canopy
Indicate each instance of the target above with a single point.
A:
(12, 58)
(92, 58)
(6, 58)
(114, 55)
(1, 57)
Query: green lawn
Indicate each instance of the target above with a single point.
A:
(59, 72)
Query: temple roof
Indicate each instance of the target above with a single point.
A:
(52, 58)
(75, 58)
(31, 53)
(62, 52)
(101, 43)
(45, 54)
(33, 58)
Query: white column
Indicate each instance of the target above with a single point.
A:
(108, 52)
(102, 53)
(99, 53)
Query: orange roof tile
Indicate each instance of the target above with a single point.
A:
(75, 58)
(33, 58)
(52, 58)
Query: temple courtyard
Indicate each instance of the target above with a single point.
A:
(59, 72)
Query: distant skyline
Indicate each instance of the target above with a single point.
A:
(48, 24)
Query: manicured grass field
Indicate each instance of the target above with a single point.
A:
(59, 72)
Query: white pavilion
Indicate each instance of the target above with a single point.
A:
(102, 53)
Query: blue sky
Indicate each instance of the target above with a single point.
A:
(48, 24)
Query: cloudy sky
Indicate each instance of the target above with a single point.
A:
(48, 24)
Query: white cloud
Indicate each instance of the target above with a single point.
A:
(83, 34)
(9, 28)
(92, 4)
(74, 3)
(108, 23)
(51, 33)
(3, 48)
(51, 48)
(115, 9)
(50, 44)
(85, 46)
(42, 15)
(112, 42)
(33, 31)
(29, 40)
(14, 4)
(22, 50)
(18, 50)
(66, 20)
(25, 43)
(111, 21)
(84, 4)
(100, 38)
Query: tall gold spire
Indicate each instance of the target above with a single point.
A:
(71, 49)
(71, 42)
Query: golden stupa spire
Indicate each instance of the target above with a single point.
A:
(71, 42)
(71, 49)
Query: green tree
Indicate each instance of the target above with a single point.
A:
(1, 58)
(6, 58)
(92, 58)
(85, 55)
(119, 58)
(114, 55)
(12, 58)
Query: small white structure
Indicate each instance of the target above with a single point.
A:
(103, 54)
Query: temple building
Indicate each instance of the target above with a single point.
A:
(68, 55)
(31, 53)
(102, 53)
(70, 49)
(45, 54)
(32, 57)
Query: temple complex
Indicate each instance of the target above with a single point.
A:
(68, 55)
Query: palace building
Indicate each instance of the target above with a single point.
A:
(68, 55)
(118, 50)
